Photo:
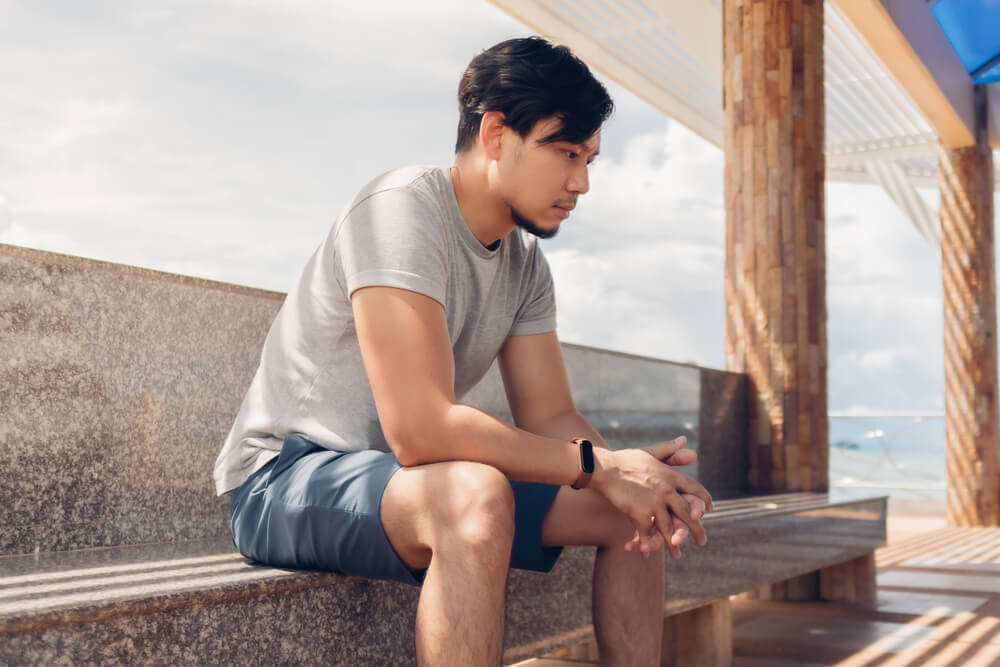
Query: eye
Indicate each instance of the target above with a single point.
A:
(572, 155)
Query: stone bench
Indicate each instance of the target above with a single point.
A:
(118, 386)
(201, 601)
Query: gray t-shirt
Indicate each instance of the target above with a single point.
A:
(404, 229)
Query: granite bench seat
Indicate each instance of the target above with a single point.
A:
(200, 600)
(118, 386)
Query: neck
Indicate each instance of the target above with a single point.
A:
(487, 216)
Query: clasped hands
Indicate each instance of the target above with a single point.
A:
(665, 506)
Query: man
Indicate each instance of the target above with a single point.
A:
(351, 451)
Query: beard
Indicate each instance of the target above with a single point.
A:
(530, 226)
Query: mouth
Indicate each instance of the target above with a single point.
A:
(564, 209)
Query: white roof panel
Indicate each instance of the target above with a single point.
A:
(670, 54)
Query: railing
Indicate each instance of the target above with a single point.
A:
(900, 454)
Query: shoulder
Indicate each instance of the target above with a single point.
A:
(418, 183)
(400, 208)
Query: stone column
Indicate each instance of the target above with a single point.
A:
(965, 177)
(775, 235)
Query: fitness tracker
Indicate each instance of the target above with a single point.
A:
(586, 463)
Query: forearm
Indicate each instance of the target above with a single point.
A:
(464, 433)
(566, 426)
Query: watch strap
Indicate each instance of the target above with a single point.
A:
(583, 479)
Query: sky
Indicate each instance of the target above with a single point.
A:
(220, 138)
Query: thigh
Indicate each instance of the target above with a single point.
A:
(319, 509)
(423, 502)
(583, 517)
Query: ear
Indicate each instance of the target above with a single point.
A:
(491, 131)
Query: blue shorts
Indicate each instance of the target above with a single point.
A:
(318, 509)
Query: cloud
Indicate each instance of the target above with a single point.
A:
(221, 138)
(885, 327)
(666, 185)
(5, 215)
(640, 265)
(15, 234)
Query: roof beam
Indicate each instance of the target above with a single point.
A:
(547, 20)
(855, 155)
(907, 39)
(901, 189)
(863, 176)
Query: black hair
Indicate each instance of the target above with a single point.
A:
(528, 79)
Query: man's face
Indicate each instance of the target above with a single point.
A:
(541, 182)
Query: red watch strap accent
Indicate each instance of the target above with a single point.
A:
(583, 479)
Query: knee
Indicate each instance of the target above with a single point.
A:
(475, 514)
(617, 529)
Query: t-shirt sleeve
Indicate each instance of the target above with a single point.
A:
(537, 313)
(393, 238)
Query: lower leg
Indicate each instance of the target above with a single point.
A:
(457, 520)
(628, 599)
(460, 614)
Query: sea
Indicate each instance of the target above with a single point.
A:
(901, 456)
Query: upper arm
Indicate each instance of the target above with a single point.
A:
(408, 358)
(534, 378)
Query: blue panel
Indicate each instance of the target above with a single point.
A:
(992, 75)
(973, 28)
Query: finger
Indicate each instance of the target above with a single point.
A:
(688, 486)
(664, 450)
(636, 543)
(682, 457)
(650, 539)
(648, 542)
(681, 533)
(653, 540)
(651, 543)
(674, 548)
(631, 544)
(697, 505)
(664, 524)
(679, 507)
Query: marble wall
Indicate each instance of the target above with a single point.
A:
(118, 385)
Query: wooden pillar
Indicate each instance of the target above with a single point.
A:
(775, 235)
(853, 581)
(701, 637)
(965, 177)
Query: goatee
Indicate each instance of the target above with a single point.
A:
(530, 227)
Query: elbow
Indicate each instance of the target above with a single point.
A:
(407, 455)
(411, 445)
(417, 432)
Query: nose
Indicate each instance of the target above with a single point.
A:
(579, 179)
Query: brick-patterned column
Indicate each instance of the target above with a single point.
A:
(775, 235)
(965, 177)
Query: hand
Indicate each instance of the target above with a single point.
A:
(664, 505)
(679, 532)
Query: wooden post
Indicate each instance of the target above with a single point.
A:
(853, 581)
(775, 235)
(701, 637)
(965, 177)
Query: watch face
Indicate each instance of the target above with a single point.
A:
(587, 456)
